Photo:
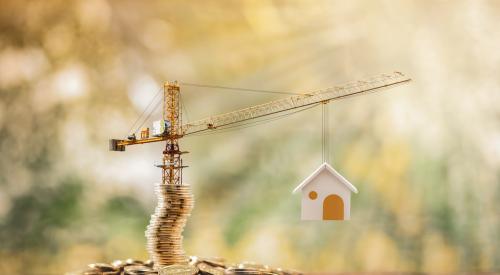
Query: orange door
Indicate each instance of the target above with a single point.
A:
(333, 208)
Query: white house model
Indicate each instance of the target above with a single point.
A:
(326, 195)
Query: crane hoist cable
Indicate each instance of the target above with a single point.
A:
(325, 133)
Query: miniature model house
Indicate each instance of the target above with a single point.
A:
(326, 195)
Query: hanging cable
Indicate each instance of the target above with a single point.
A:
(144, 111)
(238, 89)
(327, 133)
(323, 132)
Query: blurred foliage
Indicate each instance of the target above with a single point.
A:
(34, 216)
(425, 157)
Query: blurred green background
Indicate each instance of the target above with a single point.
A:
(425, 157)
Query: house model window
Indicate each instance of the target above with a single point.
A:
(326, 195)
(313, 195)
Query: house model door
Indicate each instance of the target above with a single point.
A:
(333, 208)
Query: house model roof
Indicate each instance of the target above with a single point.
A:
(325, 166)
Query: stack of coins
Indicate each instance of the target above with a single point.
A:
(164, 233)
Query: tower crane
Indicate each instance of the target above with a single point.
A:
(175, 201)
(170, 129)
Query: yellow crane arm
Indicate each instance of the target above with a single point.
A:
(373, 84)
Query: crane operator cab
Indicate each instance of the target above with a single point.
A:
(161, 128)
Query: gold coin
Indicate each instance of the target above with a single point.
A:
(177, 269)
(102, 267)
(214, 270)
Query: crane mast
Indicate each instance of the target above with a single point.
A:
(172, 162)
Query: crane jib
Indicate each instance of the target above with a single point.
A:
(281, 105)
(351, 89)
